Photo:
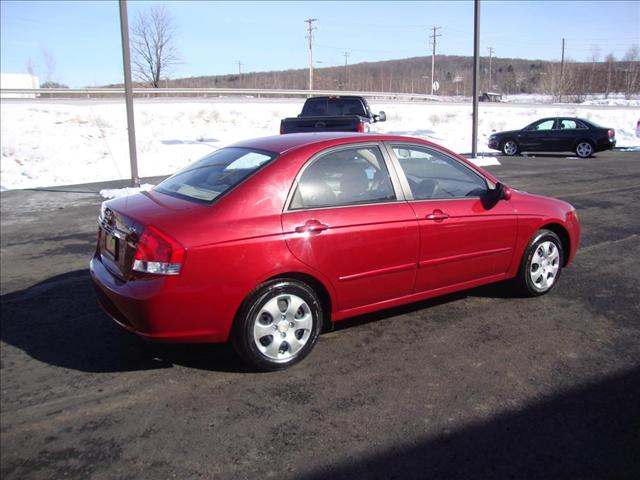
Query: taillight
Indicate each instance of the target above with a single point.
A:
(361, 127)
(281, 128)
(612, 133)
(158, 253)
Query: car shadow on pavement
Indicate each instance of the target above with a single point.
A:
(567, 156)
(589, 432)
(59, 322)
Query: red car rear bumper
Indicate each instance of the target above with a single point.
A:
(151, 308)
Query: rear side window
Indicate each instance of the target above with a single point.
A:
(215, 174)
(571, 124)
(345, 177)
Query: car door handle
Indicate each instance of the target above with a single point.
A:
(311, 226)
(437, 215)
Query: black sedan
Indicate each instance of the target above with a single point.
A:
(560, 134)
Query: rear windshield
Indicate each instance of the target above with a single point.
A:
(323, 107)
(215, 174)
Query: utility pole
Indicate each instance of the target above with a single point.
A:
(433, 42)
(346, 72)
(490, 55)
(476, 68)
(310, 30)
(240, 72)
(562, 72)
(128, 93)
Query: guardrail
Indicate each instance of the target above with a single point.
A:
(198, 92)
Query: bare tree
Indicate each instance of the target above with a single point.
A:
(595, 58)
(29, 66)
(49, 62)
(632, 69)
(610, 59)
(152, 40)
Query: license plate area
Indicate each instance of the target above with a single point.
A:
(111, 246)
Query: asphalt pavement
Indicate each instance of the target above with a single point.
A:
(473, 385)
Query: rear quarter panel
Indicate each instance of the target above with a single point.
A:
(237, 244)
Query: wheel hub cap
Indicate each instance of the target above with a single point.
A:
(545, 265)
(282, 327)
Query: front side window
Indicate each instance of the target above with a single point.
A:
(344, 177)
(544, 125)
(433, 175)
(215, 174)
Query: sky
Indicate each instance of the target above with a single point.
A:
(83, 37)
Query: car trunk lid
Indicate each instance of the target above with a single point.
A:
(122, 222)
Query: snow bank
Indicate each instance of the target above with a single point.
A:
(123, 192)
(484, 161)
(47, 143)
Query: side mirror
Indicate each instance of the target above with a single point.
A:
(381, 117)
(503, 192)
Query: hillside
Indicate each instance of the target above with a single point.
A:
(454, 74)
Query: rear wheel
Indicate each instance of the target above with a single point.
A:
(509, 147)
(278, 325)
(584, 149)
(541, 264)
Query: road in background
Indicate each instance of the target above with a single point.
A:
(472, 385)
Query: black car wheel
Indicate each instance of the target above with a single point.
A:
(584, 149)
(509, 147)
(278, 324)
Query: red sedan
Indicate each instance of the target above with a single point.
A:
(267, 241)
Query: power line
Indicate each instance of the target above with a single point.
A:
(240, 72)
(310, 30)
(434, 39)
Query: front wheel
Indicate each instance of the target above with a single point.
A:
(541, 264)
(584, 149)
(510, 147)
(278, 324)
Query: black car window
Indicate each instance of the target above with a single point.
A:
(570, 124)
(543, 125)
(328, 107)
(344, 177)
(213, 175)
(434, 175)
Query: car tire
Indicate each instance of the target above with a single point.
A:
(277, 325)
(541, 264)
(510, 147)
(584, 149)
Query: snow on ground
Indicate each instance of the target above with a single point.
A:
(47, 143)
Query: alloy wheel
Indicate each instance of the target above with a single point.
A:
(584, 149)
(510, 148)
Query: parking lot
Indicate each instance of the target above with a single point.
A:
(472, 385)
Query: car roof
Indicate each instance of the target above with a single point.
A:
(284, 143)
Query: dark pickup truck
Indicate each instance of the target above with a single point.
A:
(333, 114)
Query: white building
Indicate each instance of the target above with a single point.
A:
(18, 80)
